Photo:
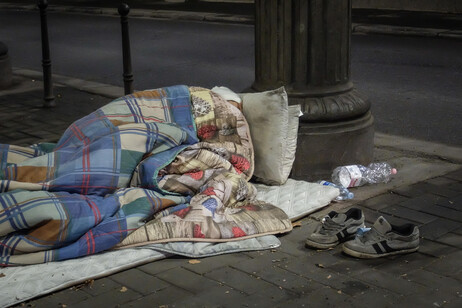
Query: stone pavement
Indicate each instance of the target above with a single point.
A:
(23, 121)
(427, 191)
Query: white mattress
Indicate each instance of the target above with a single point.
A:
(297, 198)
(18, 284)
(26, 282)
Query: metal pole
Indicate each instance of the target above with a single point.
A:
(49, 99)
(127, 74)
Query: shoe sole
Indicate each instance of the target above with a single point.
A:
(364, 255)
(311, 244)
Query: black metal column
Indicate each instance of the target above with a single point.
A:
(305, 46)
(124, 9)
(49, 99)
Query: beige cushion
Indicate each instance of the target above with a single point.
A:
(273, 127)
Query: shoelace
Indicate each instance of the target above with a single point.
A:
(329, 225)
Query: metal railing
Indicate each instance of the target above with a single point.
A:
(48, 97)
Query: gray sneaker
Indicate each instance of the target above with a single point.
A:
(336, 228)
(383, 239)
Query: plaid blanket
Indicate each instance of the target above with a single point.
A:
(159, 165)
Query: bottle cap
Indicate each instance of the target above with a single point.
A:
(394, 171)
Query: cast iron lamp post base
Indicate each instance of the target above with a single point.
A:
(304, 45)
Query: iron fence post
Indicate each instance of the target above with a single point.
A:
(49, 99)
(124, 9)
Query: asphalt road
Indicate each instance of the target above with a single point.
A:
(414, 83)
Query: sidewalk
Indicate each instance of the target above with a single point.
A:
(427, 191)
(364, 21)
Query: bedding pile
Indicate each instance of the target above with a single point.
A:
(163, 165)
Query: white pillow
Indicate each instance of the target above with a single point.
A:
(273, 127)
(291, 140)
(227, 94)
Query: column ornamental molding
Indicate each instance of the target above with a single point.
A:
(347, 105)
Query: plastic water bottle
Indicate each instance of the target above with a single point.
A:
(361, 231)
(358, 175)
(345, 194)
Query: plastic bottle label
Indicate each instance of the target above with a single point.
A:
(355, 175)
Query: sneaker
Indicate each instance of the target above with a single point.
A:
(384, 239)
(336, 228)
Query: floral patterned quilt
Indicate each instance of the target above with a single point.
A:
(170, 164)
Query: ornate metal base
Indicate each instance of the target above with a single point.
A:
(323, 146)
(49, 102)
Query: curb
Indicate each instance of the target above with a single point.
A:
(357, 28)
(432, 150)
(406, 31)
(92, 87)
(139, 13)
